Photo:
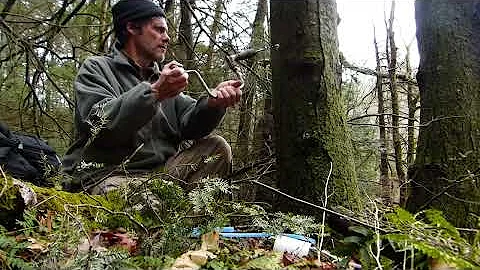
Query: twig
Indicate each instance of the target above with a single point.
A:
(6, 182)
(47, 199)
(378, 242)
(324, 213)
(111, 212)
(113, 170)
(316, 206)
(455, 183)
(252, 165)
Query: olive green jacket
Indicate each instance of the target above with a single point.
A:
(117, 116)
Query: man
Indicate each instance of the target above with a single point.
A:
(129, 112)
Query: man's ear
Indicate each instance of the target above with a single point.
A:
(133, 29)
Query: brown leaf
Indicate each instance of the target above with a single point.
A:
(210, 241)
(288, 259)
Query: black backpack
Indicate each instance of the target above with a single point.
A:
(27, 157)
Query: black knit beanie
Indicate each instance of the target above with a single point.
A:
(129, 10)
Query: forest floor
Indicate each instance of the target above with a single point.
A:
(158, 226)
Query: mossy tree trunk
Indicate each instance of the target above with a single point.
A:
(447, 164)
(309, 113)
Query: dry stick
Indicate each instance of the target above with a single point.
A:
(378, 242)
(122, 165)
(6, 182)
(324, 214)
(47, 199)
(316, 206)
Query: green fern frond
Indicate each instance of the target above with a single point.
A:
(433, 235)
(436, 218)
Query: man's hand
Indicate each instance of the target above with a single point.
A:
(228, 94)
(173, 80)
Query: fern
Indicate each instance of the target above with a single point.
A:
(147, 262)
(205, 197)
(435, 218)
(9, 252)
(281, 222)
(101, 260)
(29, 222)
(434, 236)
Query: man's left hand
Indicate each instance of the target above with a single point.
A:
(228, 94)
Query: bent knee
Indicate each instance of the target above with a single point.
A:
(221, 145)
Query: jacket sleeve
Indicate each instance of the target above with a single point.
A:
(113, 117)
(196, 118)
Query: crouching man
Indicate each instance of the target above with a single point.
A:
(129, 111)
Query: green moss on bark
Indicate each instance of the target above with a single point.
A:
(309, 113)
(86, 207)
(448, 155)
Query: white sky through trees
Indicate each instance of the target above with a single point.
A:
(355, 31)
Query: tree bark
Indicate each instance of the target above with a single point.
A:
(448, 154)
(214, 29)
(104, 27)
(244, 135)
(396, 137)
(245, 124)
(412, 100)
(384, 168)
(309, 112)
(185, 34)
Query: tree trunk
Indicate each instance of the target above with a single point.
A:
(309, 113)
(244, 136)
(412, 99)
(448, 154)
(104, 26)
(185, 34)
(384, 175)
(396, 137)
(214, 29)
(245, 125)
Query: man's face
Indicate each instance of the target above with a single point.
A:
(152, 39)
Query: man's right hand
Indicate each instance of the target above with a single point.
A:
(173, 80)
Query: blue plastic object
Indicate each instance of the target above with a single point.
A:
(229, 232)
(245, 235)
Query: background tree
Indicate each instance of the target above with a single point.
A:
(185, 34)
(445, 175)
(395, 102)
(309, 113)
(246, 117)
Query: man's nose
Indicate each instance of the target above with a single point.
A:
(166, 37)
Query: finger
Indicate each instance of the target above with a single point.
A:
(175, 72)
(179, 87)
(217, 100)
(231, 96)
(238, 95)
(177, 79)
(225, 83)
(236, 83)
(226, 93)
(173, 64)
